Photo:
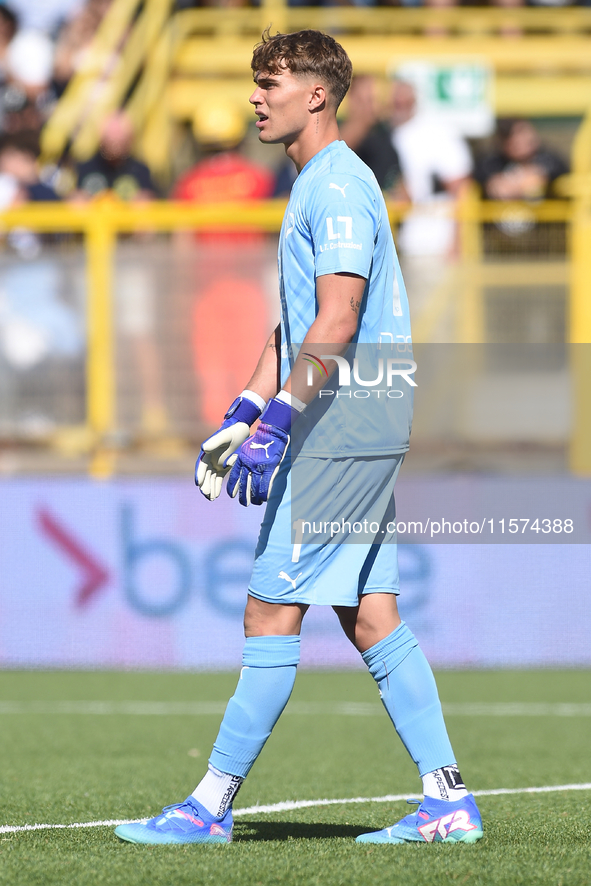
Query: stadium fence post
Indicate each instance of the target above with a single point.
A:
(100, 370)
(580, 301)
(470, 323)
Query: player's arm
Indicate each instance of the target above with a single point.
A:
(343, 207)
(212, 464)
(266, 379)
(258, 460)
(339, 298)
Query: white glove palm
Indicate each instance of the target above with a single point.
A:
(215, 458)
(212, 467)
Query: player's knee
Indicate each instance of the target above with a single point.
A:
(369, 631)
(377, 618)
(263, 619)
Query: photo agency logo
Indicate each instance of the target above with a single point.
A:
(387, 372)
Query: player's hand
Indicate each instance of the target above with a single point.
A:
(212, 464)
(256, 464)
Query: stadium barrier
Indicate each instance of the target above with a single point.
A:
(149, 574)
(157, 361)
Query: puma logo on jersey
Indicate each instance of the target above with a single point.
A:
(264, 446)
(443, 827)
(338, 188)
(292, 581)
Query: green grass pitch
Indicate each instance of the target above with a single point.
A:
(64, 768)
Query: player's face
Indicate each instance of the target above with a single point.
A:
(282, 104)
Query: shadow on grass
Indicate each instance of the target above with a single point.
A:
(263, 831)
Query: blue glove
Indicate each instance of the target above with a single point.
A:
(255, 465)
(212, 464)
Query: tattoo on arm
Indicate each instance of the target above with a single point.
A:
(355, 305)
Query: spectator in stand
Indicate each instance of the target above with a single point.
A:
(231, 270)
(27, 97)
(38, 328)
(520, 167)
(44, 15)
(19, 172)
(114, 167)
(8, 28)
(371, 137)
(412, 155)
(224, 174)
(19, 160)
(74, 38)
(418, 157)
(436, 163)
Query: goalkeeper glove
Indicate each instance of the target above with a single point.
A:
(212, 466)
(255, 465)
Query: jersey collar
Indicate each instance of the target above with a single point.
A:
(333, 146)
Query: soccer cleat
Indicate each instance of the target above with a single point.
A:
(186, 822)
(435, 821)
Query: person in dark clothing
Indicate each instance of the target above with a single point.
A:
(8, 28)
(520, 168)
(370, 137)
(114, 167)
(19, 160)
(381, 156)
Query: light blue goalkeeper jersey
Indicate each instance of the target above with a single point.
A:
(336, 221)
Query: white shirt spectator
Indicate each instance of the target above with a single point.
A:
(429, 151)
(44, 15)
(29, 58)
(427, 148)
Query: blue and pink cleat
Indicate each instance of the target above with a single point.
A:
(186, 822)
(435, 821)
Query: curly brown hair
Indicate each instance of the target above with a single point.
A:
(307, 53)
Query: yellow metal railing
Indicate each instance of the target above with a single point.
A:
(580, 296)
(123, 43)
(466, 21)
(100, 222)
(104, 219)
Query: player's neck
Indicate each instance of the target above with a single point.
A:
(312, 140)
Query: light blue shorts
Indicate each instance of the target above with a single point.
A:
(327, 536)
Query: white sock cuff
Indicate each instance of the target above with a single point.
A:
(216, 790)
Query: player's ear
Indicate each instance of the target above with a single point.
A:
(317, 99)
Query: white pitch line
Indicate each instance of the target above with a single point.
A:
(297, 804)
(313, 708)
(394, 798)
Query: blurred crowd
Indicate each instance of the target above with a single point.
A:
(42, 43)
(419, 158)
(415, 158)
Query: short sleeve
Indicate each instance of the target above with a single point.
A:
(343, 216)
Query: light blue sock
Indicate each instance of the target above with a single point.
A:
(409, 694)
(266, 681)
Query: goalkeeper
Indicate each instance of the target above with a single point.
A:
(340, 283)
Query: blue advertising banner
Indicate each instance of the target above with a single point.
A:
(149, 574)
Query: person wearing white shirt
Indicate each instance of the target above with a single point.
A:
(436, 164)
